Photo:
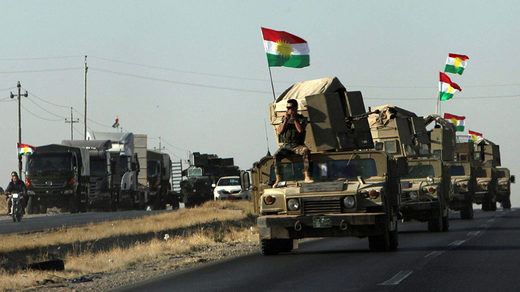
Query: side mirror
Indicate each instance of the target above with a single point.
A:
(244, 180)
(512, 179)
(213, 185)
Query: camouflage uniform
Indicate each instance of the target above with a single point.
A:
(293, 143)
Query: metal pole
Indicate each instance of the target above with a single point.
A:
(19, 127)
(272, 86)
(86, 69)
(71, 125)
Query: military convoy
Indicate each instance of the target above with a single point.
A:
(109, 171)
(369, 169)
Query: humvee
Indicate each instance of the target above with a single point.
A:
(504, 187)
(425, 193)
(463, 181)
(355, 190)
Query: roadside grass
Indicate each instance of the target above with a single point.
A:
(209, 212)
(88, 262)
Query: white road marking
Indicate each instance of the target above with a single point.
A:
(434, 253)
(491, 220)
(484, 225)
(398, 278)
(473, 233)
(457, 243)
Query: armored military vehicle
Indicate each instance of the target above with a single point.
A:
(504, 186)
(57, 176)
(102, 194)
(463, 180)
(425, 190)
(203, 172)
(355, 190)
(159, 172)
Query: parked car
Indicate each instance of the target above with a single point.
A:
(228, 188)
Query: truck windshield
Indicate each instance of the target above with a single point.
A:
(98, 167)
(152, 168)
(501, 174)
(232, 181)
(332, 169)
(420, 171)
(47, 162)
(457, 170)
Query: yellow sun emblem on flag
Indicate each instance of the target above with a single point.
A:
(457, 62)
(284, 49)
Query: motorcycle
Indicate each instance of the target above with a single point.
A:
(16, 207)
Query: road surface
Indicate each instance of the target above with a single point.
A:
(475, 255)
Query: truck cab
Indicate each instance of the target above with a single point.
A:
(463, 182)
(504, 180)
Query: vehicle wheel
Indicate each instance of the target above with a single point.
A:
(445, 223)
(435, 224)
(286, 245)
(43, 209)
(31, 202)
(270, 246)
(493, 205)
(73, 204)
(506, 204)
(389, 241)
(467, 212)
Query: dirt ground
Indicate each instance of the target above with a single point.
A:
(149, 270)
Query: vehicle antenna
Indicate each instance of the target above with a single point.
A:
(266, 138)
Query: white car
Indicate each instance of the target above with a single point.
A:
(228, 188)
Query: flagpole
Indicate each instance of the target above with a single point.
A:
(271, 77)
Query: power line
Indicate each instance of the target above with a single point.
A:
(40, 117)
(42, 108)
(179, 82)
(42, 99)
(40, 70)
(38, 58)
(93, 121)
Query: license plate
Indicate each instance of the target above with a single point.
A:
(321, 222)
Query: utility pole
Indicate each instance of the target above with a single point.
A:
(19, 123)
(71, 122)
(86, 69)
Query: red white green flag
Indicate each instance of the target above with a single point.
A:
(446, 87)
(475, 136)
(285, 49)
(458, 121)
(116, 123)
(25, 148)
(456, 63)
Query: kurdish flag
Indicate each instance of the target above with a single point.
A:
(116, 123)
(475, 136)
(456, 63)
(285, 49)
(456, 120)
(446, 87)
(24, 148)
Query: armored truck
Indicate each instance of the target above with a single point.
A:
(58, 176)
(463, 180)
(103, 194)
(426, 189)
(504, 186)
(425, 193)
(203, 172)
(355, 189)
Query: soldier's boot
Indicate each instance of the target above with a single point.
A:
(278, 179)
(308, 178)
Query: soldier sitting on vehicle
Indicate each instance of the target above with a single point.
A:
(15, 186)
(292, 134)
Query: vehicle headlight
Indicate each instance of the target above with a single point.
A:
(349, 202)
(429, 179)
(269, 200)
(15, 196)
(293, 204)
(413, 195)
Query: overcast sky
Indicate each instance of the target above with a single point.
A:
(195, 72)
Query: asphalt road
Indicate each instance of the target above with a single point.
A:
(40, 222)
(475, 255)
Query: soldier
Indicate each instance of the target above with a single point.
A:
(292, 134)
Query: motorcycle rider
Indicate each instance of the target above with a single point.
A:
(16, 186)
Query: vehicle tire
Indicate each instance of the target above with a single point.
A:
(389, 241)
(467, 211)
(73, 204)
(435, 224)
(286, 245)
(506, 204)
(42, 209)
(31, 204)
(270, 246)
(445, 224)
(493, 205)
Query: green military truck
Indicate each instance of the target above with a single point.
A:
(463, 182)
(425, 193)
(504, 186)
(57, 176)
(426, 189)
(355, 191)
